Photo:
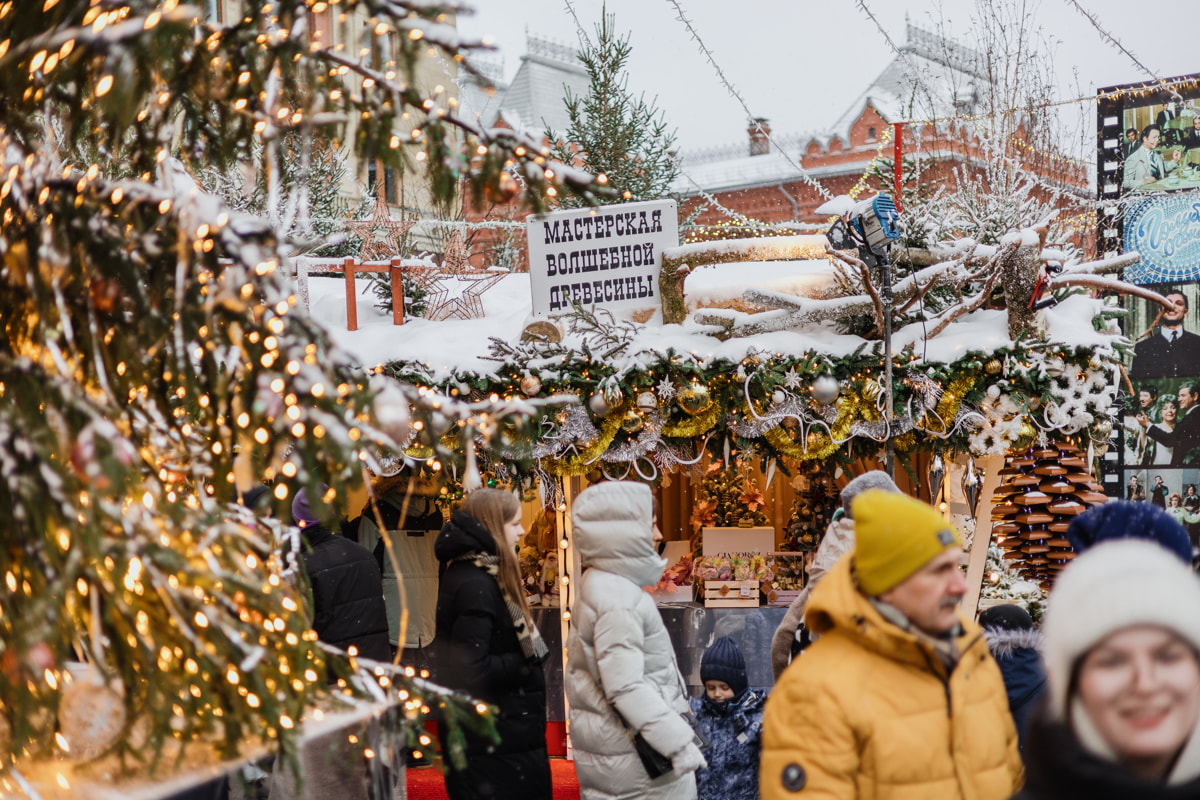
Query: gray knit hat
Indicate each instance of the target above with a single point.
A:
(875, 479)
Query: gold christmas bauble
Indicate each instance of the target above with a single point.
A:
(503, 190)
(694, 398)
(531, 385)
(1025, 437)
(993, 367)
(632, 422)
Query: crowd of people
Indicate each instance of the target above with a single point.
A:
(884, 687)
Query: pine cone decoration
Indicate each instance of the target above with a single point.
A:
(1043, 488)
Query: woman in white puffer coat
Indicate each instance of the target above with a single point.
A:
(620, 657)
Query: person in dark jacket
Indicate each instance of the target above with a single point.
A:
(730, 717)
(348, 613)
(347, 590)
(1015, 645)
(1120, 718)
(487, 645)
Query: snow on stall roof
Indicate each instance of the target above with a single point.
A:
(460, 346)
(720, 283)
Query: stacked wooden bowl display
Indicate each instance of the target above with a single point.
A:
(1042, 489)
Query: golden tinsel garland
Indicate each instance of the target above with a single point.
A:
(819, 445)
(948, 405)
(694, 426)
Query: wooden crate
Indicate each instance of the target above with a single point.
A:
(731, 594)
(784, 597)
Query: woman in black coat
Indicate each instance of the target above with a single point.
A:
(488, 647)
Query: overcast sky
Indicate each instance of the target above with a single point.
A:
(800, 63)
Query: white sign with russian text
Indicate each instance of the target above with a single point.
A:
(604, 257)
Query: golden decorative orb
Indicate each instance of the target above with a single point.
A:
(872, 389)
(531, 385)
(632, 422)
(694, 398)
(993, 367)
(1026, 437)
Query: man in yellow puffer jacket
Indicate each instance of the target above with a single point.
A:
(899, 699)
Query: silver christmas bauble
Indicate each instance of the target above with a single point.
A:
(646, 401)
(599, 404)
(825, 389)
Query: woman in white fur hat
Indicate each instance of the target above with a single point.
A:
(1121, 716)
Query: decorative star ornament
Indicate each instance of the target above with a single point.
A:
(455, 259)
(666, 389)
(381, 234)
(464, 294)
(791, 379)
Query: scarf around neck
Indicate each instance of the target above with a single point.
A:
(530, 638)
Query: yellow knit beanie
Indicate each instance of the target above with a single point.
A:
(896, 536)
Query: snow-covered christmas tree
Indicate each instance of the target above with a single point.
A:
(152, 370)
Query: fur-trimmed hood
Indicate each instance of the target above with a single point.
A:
(1002, 641)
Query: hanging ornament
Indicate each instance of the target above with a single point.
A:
(646, 401)
(599, 405)
(1026, 436)
(937, 475)
(993, 367)
(105, 295)
(825, 389)
(471, 477)
(993, 392)
(392, 413)
(972, 485)
(531, 385)
(612, 392)
(632, 422)
(91, 717)
(694, 398)
(778, 396)
(502, 190)
(872, 389)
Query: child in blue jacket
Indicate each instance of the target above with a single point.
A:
(730, 716)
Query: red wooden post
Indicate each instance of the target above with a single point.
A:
(897, 156)
(351, 295)
(397, 292)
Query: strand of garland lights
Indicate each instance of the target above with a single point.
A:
(1104, 34)
(708, 54)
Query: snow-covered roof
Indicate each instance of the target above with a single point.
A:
(747, 170)
(535, 98)
(461, 346)
(930, 77)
